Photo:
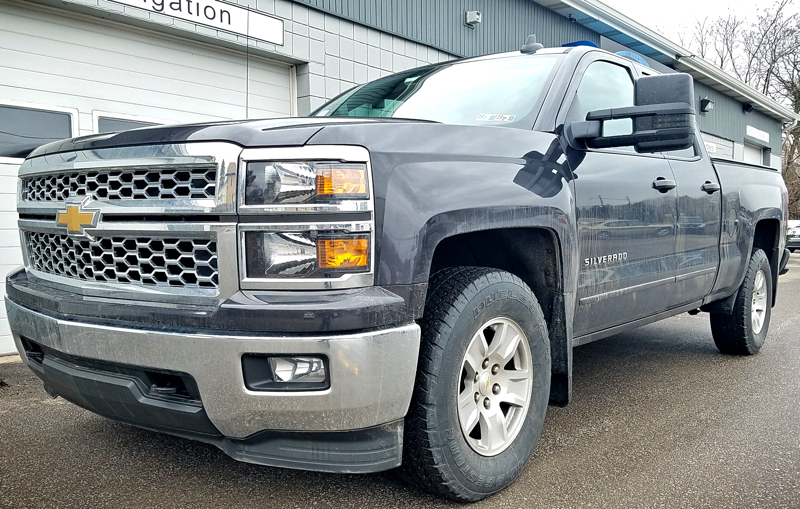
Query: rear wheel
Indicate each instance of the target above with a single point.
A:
(483, 384)
(743, 332)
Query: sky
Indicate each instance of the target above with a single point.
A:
(671, 17)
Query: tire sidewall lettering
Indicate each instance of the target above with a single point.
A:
(501, 298)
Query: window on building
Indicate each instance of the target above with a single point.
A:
(605, 85)
(113, 125)
(24, 129)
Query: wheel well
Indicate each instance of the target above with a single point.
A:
(766, 238)
(528, 253)
(766, 235)
(532, 254)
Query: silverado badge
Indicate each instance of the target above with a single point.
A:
(74, 219)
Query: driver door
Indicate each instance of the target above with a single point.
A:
(626, 227)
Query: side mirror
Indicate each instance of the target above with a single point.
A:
(663, 117)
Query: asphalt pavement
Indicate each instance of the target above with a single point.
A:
(659, 419)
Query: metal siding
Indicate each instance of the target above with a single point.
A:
(440, 23)
(728, 120)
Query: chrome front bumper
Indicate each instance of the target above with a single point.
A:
(372, 373)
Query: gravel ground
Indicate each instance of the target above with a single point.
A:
(659, 419)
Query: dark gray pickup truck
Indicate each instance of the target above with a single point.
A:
(399, 278)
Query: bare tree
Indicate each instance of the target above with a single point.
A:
(764, 53)
(724, 40)
(701, 39)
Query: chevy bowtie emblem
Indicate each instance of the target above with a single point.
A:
(74, 219)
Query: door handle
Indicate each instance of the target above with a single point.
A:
(663, 185)
(710, 187)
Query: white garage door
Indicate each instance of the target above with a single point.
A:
(753, 154)
(96, 69)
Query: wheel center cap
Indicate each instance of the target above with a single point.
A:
(484, 384)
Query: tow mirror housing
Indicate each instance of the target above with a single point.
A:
(663, 117)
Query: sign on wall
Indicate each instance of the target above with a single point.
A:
(758, 134)
(218, 15)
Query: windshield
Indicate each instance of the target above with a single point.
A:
(499, 91)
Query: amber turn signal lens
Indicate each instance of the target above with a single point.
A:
(342, 182)
(352, 253)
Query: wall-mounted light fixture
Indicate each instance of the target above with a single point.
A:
(747, 107)
(473, 18)
(706, 105)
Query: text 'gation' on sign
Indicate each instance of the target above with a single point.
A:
(216, 14)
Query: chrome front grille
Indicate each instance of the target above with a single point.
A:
(127, 184)
(162, 221)
(168, 261)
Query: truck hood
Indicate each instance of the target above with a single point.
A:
(247, 133)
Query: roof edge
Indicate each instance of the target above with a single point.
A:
(682, 57)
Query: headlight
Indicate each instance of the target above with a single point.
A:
(309, 255)
(292, 233)
(298, 182)
(305, 254)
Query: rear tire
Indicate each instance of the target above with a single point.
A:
(743, 332)
(466, 449)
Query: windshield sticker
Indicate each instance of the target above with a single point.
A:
(495, 117)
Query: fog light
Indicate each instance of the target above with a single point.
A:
(297, 369)
(285, 373)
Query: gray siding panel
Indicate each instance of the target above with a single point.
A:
(728, 120)
(440, 23)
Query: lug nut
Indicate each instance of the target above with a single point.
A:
(477, 377)
(495, 389)
(477, 397)
(486, 403)
(495, 369)
(485, 363)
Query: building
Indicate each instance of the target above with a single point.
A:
(76, 67)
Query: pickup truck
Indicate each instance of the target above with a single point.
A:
(397, 280)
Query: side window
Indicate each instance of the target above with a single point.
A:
(113, 125)
(24, 129)
(605, 85)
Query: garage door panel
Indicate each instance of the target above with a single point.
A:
(10, 169)
(69, 57)
(267, 90)
(272, 106)
(80, 36)
(262, 72)
(9, 238)
(84, 103)
(165, 101)
(58, 69)
(8, 220)
(154, 72)
(10, 256)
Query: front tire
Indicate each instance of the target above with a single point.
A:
(483, 385)
(743, 332)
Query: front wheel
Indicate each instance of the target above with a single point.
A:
(483, 384)
(743, 332)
